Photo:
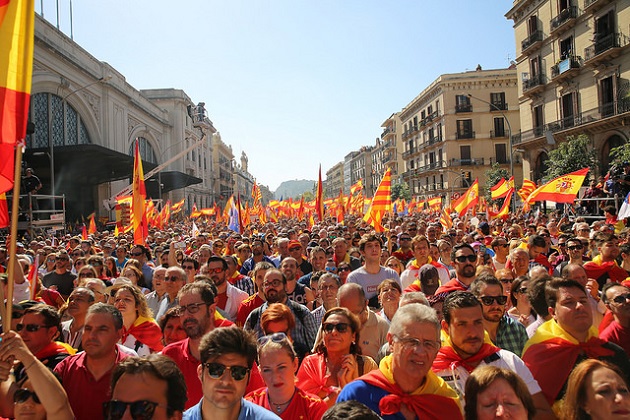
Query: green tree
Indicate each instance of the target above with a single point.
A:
(493, 176)
(401, 190)
(308, 196)
(572, 155)
(619, 155)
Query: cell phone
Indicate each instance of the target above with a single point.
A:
(180, 245)
(482, 249)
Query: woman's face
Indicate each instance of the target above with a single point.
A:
(278, 369)
(607, 395)
(131, 275)
(500, 401)
(389, 295)
(29, 409)
(394, 266)
(336, 341)
(125, 302)
(521, 293)
(173, 331)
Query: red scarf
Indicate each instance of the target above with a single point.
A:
(52, 349)
(597, 268)
(424, 405)
(448, 358)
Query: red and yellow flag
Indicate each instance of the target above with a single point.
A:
(4, 211)
(527, 188)
(17, 35)
(468, 200)
(501, 188)
(381, 203)
(177, 207)
(563, 189)
(257, 199)
(445, 219)
(435, 203)
(92, 225)
(319, 198)
(356, 187)
(139, 222)
(504, 211)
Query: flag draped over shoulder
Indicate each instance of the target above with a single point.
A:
(563, 189)
(140, 225)
(468, 200)
(381, 203)
(17, 35)
(319, 198)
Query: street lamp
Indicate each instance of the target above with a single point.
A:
(459, 175)
(509, 139)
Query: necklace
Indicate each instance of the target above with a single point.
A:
(279, 406)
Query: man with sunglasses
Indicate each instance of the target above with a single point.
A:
(501, 250)
(174, 279)
(150, 387)
(227, 359)
(503, 330)
(465, 349)
(465, 259)
(143, 255)
(61, 278)
(228, 297)
(617, 300)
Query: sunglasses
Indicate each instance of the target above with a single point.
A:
(22, 395)
(341, 327)
(216, 371)
(331, 269)
(487, 300)
(215, 270)
(193, 308)
(405, 239)
(506, 281)
(139, 410)
(575, 247)
(344, 269)
(276, 338)
(29, 327)
(621, 298)
(137, 254)
(464, 258)
(503, 245)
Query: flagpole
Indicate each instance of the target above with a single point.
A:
(13, 242)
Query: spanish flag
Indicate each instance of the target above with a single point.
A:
(319, 198)
(501, 188)
(468, 200)
(381, 203)
(563, 189)
(17, 35)
(435, 203)
(139, 222)
(504, 211)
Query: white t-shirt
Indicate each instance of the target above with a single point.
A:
(369, 281)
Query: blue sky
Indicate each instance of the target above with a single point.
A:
(293, 83)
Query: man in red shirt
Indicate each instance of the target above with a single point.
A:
(256, 300)
(617, 300)
(86, 376)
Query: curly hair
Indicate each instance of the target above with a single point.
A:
(142, 308)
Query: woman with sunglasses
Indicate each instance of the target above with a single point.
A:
(521, 309)
(47, 264)
(140, 332)
(395, 264)
(40, 395)
(338, 360)
(343, 269)
(278, 363)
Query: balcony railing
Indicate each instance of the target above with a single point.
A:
(432, 166)
(498, 106)
(436, 139)
(565, 65)
(497, 134)
(464, 135)
(533, 82)
(504, 161)
(409, 152)
(466, 162)
(532, 40)
(565, 16)
(605, 43)
(435, 187)
(590, 3)
(385, 132)
(463, 108)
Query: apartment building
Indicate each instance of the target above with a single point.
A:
(456, 128)
(573, 76)
(334, 181)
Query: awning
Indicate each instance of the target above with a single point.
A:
(171, 180)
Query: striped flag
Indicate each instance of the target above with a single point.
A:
(501, 188)
(139, 222)
(381, 203)
(527, 188)
(356, 187)
(468, 200)
(17, 36)
(562, 189)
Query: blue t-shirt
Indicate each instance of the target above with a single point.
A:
(249, 411)
(367, 394)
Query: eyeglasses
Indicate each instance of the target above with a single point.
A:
(21, 395)
(215, 270)
(331, 269)
(216, 370)
(62, 259)
(274, 283)
(506, 281)
(275, 337)
(344, 269)
(341, 327)
(140, 410)
(405, 239)
(575, 247)
(487, 300)
(29, 327)
(621, 298)
(192, 308)
(85, 274)
(172, 278)
(414, 344)
(328, 287)
(464, 258)
(503, 245)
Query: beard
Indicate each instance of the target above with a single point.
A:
(276, 297)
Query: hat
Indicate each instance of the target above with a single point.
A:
(295, 243)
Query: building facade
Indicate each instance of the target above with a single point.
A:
(334, 181)
(573, 70)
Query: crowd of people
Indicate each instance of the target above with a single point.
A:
(520, 318)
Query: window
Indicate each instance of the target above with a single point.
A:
(607, 96)
(568, 110)
(499, 127)
(462, 104)
(566, 48)
(564, 4)
(500, 151)
(498, 101)
(464, 152)
(146, 150)
(464, 129)
(56, 119)
(532, 25)
(538, 118)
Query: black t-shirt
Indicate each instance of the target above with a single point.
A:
(30, 183)
(64, 282)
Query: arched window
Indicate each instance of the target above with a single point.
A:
(146, 150)
(57, 119)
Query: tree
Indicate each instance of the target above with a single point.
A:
(572, 155)
(619, 155)
(494, 175)
(401, 190)
(308, 196)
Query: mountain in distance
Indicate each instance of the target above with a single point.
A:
(293, 189)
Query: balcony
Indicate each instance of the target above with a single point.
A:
(591, 6)
(534, 85)
(566, 68)
(463, 107)
(430, 118)
(608, 46)
(432, 166)
(564, 20)
(385, 132)
(435, 187)
(498, 134)
(532, 42)
(466, 162)
(464, 135)
(436, 139)
(409, 152)
(498, 106)
(505, 161)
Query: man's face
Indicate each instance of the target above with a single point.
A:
(572, 311)
(296, 251)
(259, 278)
(340, 248)
(159, 274)
(501, 249)
(289, 269)
(493, 312)
(353, 302)
(318, 260)
(216, 272)
(98, 288)
(520, 261)
(244, 253)
(328, 290)
(61, 261)
(143, 387)
(99, 335)
(432, 233)
(138, 254)
(225, 392)
(196, 319)
(372, 251)
(620, 309)
(121, 252)
(609, 250)
(78, 303)
(283, 249)
(466, 330)
(404, 241)
(173, 282)
(414, 351)
(274, 288)
(535, 251)
(578, 273)
(421, 252)
(35, 340)
(465, 268)
(231, 267)
(257, 248)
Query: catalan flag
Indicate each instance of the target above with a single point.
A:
(17, 35)
(563, 189)
(468, 200)
(381, 203)
(356, 187)
(527, 188)
(139, 222)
